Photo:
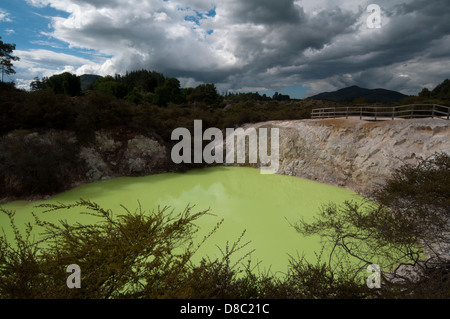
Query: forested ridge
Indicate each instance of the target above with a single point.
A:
(141, 100)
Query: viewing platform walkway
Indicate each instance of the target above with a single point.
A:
(383, 113)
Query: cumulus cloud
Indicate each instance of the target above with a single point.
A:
(5, 16)
(261, 44)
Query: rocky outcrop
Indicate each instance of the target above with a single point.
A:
(356, 154)
(112, 154)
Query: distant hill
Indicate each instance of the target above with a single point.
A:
(87, 80)
(355, 92)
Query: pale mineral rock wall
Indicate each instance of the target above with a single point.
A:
(111, 156)
(356, 154)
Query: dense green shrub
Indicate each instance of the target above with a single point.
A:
(32, 164)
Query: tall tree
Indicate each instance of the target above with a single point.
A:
(37, 84)
(6, 58)
(143, 80)
(65, 83)
(112, 86)
(425, 93)
(205, 93)
(170, 92)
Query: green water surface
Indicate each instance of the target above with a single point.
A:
(263, 205)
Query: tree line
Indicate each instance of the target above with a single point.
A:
(147, 86)
(136, 87)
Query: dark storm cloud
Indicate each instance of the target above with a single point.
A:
(100, 3)
(389, 56)
(279, 42)
(266, 12)
(267, 44)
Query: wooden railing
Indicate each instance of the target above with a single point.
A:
(375, 113)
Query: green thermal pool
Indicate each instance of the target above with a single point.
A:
(263, 205)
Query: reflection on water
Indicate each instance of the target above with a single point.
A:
(263, 205)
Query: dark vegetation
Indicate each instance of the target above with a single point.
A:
(439, 95)
(29, 165)
(442, 91)
(135, 255)
(142, 101)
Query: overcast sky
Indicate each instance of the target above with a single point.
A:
(298, 47)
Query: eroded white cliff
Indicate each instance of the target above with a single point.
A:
(356, 154)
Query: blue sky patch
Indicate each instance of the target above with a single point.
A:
(200, 16)
(30, 28)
